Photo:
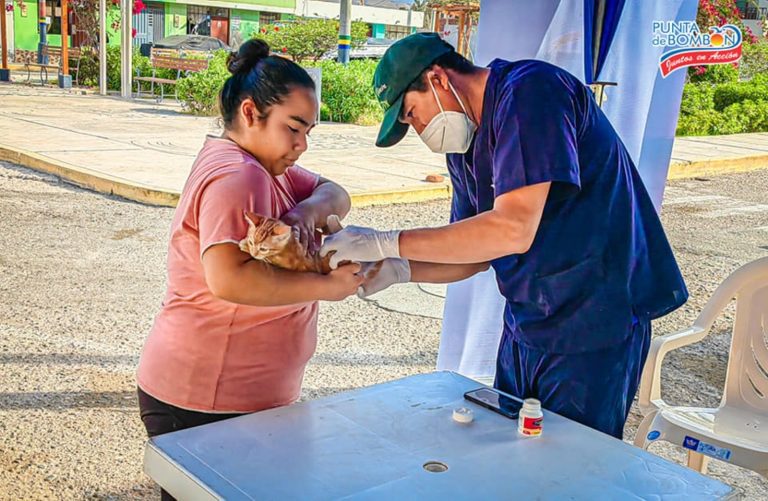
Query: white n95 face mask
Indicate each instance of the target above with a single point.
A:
(448, 131)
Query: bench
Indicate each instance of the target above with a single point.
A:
(187, 62)
(55, 61)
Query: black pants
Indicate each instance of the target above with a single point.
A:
(159, 417)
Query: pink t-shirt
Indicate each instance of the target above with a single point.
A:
(207, 354)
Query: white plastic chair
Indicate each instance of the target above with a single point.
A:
(736, 431)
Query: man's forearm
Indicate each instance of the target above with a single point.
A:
(436, 273)
(482, 238)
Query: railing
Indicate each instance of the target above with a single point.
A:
(752, 12)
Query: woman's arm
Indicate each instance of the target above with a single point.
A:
(327, 199)
(233, 276)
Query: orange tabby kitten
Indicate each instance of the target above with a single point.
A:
(272, 241)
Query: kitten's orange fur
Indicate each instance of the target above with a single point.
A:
(272, 241)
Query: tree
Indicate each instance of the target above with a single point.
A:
(305, 38)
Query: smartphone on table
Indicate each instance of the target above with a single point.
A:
(496, 401)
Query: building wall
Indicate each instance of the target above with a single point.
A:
(282, 4)
(372, 15)
(378, 30)
(243, 21)
(175, 19)
(26, 34)
(242, 24)
(25, 28)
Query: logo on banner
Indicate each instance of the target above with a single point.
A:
(688, 46)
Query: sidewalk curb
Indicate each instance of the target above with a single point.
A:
(152, 195)
(403, 196)
(86, 178)
(702, 168)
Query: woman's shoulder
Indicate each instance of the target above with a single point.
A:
(221, 158)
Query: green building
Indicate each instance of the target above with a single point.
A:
(232, 21)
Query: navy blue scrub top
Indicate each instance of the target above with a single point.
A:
(600, 259)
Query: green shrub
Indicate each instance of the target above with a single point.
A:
(746, 116)
(715, 74)
(754, 60)
(347, 92)
(199, 92)
(697, 97)
(698, 123)
(751, 115)
(726, 95)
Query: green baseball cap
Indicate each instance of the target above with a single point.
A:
(403, 62)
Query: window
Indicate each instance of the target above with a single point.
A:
(199, 18)
(53, 11)
(397, 31)
(267, 18)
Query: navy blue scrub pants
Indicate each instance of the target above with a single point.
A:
(594, 388)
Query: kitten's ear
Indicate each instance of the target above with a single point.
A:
(281, 228)
(253, 219)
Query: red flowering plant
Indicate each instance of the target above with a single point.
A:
(717, 13)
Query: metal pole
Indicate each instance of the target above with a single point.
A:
(345, 30)
(126, 79)
(460, 39)
(5, 73)
(103, 47)
(65, 80)
(43, 26)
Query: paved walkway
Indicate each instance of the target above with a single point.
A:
(143, 151)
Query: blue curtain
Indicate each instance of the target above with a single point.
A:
(601, 18)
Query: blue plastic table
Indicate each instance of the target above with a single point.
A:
(373, 443)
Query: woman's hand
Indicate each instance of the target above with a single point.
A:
(302, 218)
(342, 282)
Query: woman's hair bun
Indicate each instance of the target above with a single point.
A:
(247, 56)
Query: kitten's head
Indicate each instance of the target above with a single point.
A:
(266, 236)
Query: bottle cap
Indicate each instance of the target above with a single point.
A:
(463, 415)
(531, 404)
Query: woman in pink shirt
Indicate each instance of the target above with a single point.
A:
(234, 334)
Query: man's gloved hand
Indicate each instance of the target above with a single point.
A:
(362, 245)
(379, 276)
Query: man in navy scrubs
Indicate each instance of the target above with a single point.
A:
(546, 192)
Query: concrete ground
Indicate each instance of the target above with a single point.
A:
(82, 276)
(140, 144)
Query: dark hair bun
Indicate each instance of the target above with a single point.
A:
(247, 56)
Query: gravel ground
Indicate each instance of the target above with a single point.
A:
(82, 276)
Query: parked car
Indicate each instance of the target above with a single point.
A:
(373, 48)
(200, 43)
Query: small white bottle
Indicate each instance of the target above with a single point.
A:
(529, 421)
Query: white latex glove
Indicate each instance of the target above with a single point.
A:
(392, 271)
(361, 245)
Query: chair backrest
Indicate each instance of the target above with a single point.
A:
(53, 54)
(746, 383)
(172, 59)
(155, 53)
